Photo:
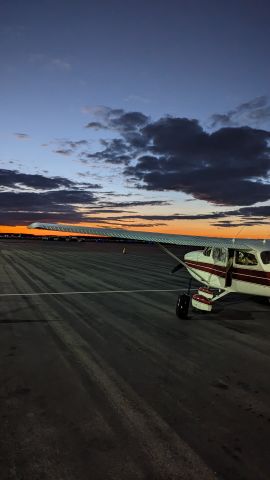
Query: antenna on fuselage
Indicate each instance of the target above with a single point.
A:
(239, 231)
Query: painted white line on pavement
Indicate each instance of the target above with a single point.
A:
(91, 292)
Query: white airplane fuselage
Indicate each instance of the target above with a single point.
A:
(226, 273)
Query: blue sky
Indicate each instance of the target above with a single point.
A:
(203, 60)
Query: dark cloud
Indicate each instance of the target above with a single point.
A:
(96, 126)
(64, 151)
(11, 218)
(56, 200)
(245, 223)
(116, 152)
(128, 121)
(117, 118)
(168, 218)
(144, 225)
(107, 210)
(81, 185)
(128, 124)
(242, 217)
(11, 178)
(25, 197)
(22, 136)
(76, 144)
(226, 224)
(225, 168)
(254, 214)
(115, 194)
(222, 119)
(229, 166)
(135, 203)
(68, 147)
(255, 111)
(262, 211)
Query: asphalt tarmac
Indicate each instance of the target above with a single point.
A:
(110, 384)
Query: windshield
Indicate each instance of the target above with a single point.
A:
(220, 254)
(265, 256)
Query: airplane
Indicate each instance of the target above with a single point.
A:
(225, 265)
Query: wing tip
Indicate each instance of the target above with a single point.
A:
(35, 225)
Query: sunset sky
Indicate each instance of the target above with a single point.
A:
(151, 114)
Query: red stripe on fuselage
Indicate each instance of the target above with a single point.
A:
(245, 277)
(207, 267)
(244, 274)
(251, 273)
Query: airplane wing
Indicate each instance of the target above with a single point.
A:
(166, 238)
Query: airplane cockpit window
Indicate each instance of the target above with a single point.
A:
(207, 251)
(265, 256)
(245, 258)
(220, 254)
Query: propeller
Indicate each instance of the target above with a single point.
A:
(177, 267)
(181, 263)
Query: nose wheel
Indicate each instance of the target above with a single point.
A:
(182, 306)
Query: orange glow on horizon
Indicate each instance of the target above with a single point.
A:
(196, 228)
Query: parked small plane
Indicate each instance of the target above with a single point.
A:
(225, 265)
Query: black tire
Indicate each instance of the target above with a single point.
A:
(182, 306)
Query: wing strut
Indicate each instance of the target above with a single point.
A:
(171, 254)
(181, 262)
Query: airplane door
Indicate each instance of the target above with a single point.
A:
(220, 258)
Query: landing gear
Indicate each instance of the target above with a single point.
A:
(182, 306)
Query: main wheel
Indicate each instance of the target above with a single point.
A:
(182, 306)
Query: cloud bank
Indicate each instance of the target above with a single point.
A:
(228, 167)
(27, 197)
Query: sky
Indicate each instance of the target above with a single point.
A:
(151, 115)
